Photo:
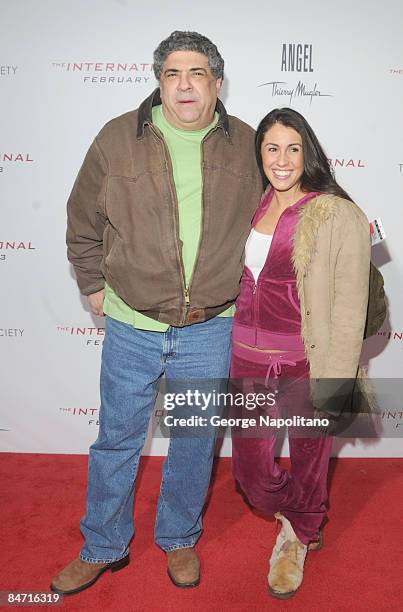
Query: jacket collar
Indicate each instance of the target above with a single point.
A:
(145, 113)
(311, 216)
(267, 198)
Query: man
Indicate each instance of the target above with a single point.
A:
(157, 222)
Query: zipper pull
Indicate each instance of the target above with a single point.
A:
(187, 298)
(254, 289)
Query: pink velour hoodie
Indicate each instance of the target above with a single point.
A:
(268, 312)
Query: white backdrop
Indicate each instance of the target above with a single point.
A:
(67, 67)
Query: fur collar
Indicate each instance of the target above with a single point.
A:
(312, 215)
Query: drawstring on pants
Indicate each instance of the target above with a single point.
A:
(275, 367)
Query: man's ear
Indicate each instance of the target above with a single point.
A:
(218, 84)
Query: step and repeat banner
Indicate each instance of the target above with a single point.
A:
(67, 67)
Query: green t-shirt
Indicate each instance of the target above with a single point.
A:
(184, 147)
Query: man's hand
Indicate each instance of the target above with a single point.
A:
(95, 302)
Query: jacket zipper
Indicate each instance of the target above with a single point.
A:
(254, 300)
(172, 189)
(256, 283)
(202, 211)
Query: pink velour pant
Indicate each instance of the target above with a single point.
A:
(300, 494)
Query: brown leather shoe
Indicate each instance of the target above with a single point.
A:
(184, 567)
(79, 575)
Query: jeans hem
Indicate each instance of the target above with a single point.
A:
(178, 546)
(95, 561)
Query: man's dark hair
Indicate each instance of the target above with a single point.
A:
(188, 41)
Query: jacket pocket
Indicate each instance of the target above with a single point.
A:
(113, 249)
(109, 238)
(244, 311)
(292, 299)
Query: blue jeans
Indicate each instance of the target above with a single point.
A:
(132, 362)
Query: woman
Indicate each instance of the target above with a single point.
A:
(300, 316)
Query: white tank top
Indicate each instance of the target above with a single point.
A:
(256, 250)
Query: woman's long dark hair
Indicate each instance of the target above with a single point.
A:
(317, 175)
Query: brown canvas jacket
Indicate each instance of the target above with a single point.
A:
(123, 217)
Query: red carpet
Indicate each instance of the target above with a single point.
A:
(360, 567)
